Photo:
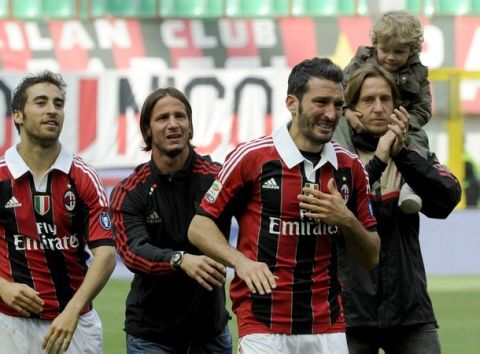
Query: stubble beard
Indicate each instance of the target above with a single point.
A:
(305, 125)
(44, 142)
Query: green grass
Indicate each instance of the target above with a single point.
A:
(456, 300)
(457, 306)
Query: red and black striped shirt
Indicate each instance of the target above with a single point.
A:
(46, 224)
(260, 181)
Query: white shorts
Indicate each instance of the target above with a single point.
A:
(21, 335)
(265, 343)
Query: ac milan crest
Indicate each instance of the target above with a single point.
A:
(345, 192)
(69, 200)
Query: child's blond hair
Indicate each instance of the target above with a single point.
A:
(400, 26)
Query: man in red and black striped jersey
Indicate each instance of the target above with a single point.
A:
(52, 206)
(176, 303)
(389, 307)
(296, 196)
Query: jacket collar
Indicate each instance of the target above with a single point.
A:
(185, 171)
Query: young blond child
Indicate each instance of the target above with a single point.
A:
(396, 44)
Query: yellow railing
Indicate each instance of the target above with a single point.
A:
(454, 77)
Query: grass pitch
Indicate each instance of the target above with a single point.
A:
(456, 300)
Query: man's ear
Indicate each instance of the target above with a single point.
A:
(292, 103)
(17, 117)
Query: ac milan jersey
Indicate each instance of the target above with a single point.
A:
(259, 183)
(45, 226)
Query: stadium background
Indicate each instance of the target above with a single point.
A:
(232, 58)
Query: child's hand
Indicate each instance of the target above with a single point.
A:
(354, 120)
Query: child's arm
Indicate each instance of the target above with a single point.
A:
(421, 106)
(354, 118)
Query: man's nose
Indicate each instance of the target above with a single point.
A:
(51, 107)
(331, 111)
(378, 106)
(172, 121)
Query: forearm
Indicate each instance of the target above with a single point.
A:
(375, 168)
(135, 246)
(361, 244)
(99, 272)
(207, 237)
(437, 186)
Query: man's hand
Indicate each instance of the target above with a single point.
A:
(384, 146)
(256, 275)
(327, 207)
(204, 270)
(20, 297)
(353, 118)
(393, 141)
(60, 332)
(399, 126)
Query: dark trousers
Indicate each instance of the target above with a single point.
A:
(418, 339)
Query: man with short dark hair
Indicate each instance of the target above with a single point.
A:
(52, 205)
(295, 196)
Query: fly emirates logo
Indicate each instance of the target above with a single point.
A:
(48, 239)
(300, 228)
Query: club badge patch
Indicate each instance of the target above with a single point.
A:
(41, 204)
(105, 220)
(69, 200)
(214, 191)
(345, 192)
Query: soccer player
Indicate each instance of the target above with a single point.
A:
(389, 306)
(177, 300)
(52, 205)
(296, 196)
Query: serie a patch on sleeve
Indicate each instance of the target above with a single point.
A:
(214, 191)
(105, 220)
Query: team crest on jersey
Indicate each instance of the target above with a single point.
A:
(214, 191)
(41, 204)
(69, 200)
(345, 192)
(105, 220)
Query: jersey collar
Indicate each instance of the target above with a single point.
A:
(18, 167)
(290, 154)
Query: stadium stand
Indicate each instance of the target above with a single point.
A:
(191, 8)
(256, 8)
(87, 9)
(455, 7)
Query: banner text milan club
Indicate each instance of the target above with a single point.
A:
(233, 71)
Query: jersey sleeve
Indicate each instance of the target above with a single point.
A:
(229, 182)
(93, 195)
(132, 239)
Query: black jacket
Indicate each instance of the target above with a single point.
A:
(151, 213)
(395, 292)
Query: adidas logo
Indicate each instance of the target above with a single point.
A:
(153, 218)
(270, 184)
(13, 203)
